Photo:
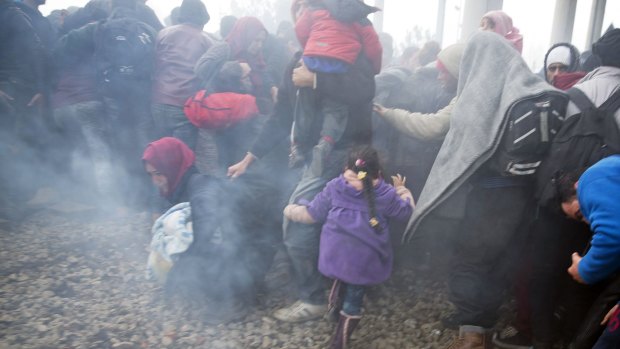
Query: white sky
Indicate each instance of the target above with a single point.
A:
(532, 17)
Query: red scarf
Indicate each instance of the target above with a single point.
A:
(171, 157)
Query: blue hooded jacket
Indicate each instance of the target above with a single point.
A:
(598, 192)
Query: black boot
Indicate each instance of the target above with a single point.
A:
(345, 327)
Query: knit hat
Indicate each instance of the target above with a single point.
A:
(450, 59)
(193, 12)
(608, 48)
(560, 54)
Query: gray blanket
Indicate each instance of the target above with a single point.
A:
(492, 76)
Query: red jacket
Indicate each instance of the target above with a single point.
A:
(323, 36)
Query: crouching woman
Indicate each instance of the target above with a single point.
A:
(209, 273)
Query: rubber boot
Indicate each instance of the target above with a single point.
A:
(344, 329)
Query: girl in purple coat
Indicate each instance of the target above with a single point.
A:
(355, 248)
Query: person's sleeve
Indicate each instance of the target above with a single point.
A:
(75, 44)
(319, 207)
(204, 202)
(399, 209)
(31, 46)
(212, 61)
(371, 45)
(419, 125)
(600, 206)
(278, 126)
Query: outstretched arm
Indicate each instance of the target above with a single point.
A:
(298, 213)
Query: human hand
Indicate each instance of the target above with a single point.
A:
(302, 77)
(239, 168)
(399, 180)
(5, 97)
(288, 211)
(36, 100)
(274, 94)
(573, 270)
(379, 109)
(610, 313)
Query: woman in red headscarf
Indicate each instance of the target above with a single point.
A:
(211, 270)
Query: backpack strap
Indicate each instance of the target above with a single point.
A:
(580, 99)
(612, 103)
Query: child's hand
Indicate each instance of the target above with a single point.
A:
(610, 313)
(288, 211)
(399, 180)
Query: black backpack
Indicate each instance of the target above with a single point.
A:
(532, 124)
(125, 51)
(584, 139)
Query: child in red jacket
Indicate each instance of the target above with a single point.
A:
(333, 33)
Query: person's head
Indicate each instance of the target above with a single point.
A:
(407, 58)
(166, 161)
(499, 22)
(34, 3)
(233, 77)
(194, 12)
(567, 191)
(428, 53)
(128, 4)
(608, 48)
(226, 25)
(248, 35)
(364, 161)
(448, 65)
(561, 58)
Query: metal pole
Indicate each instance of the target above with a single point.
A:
(596, 22)
(441, 18)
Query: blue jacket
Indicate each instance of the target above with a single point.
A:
(598, 192)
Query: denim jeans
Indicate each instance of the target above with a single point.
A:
(302, 240)
(353, 299)
(170, 121)
(83, 125)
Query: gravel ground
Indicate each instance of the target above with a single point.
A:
(78, 282)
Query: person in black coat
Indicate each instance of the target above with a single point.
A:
(229, 255)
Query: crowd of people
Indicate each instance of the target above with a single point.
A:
(244, 142)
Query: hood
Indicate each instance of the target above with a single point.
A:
(492, 77)
(564, 53)
(349, 10)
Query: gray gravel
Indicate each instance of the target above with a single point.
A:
(78, 282)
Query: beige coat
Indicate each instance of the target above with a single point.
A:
(419, 125)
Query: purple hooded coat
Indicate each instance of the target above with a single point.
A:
(350, 249)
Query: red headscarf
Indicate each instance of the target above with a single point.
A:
(170, 157)
(503, 26)
(245, 31)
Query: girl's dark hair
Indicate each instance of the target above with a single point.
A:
(366, 160)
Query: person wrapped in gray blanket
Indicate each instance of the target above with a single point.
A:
(463, 185)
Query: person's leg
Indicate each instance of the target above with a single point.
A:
(171, 121)
(353, 299)
(350, 315)
(302, 246)
(476, 282)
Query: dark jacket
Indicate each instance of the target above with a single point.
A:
(21, 51)
(356, 88)
(220, 263)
